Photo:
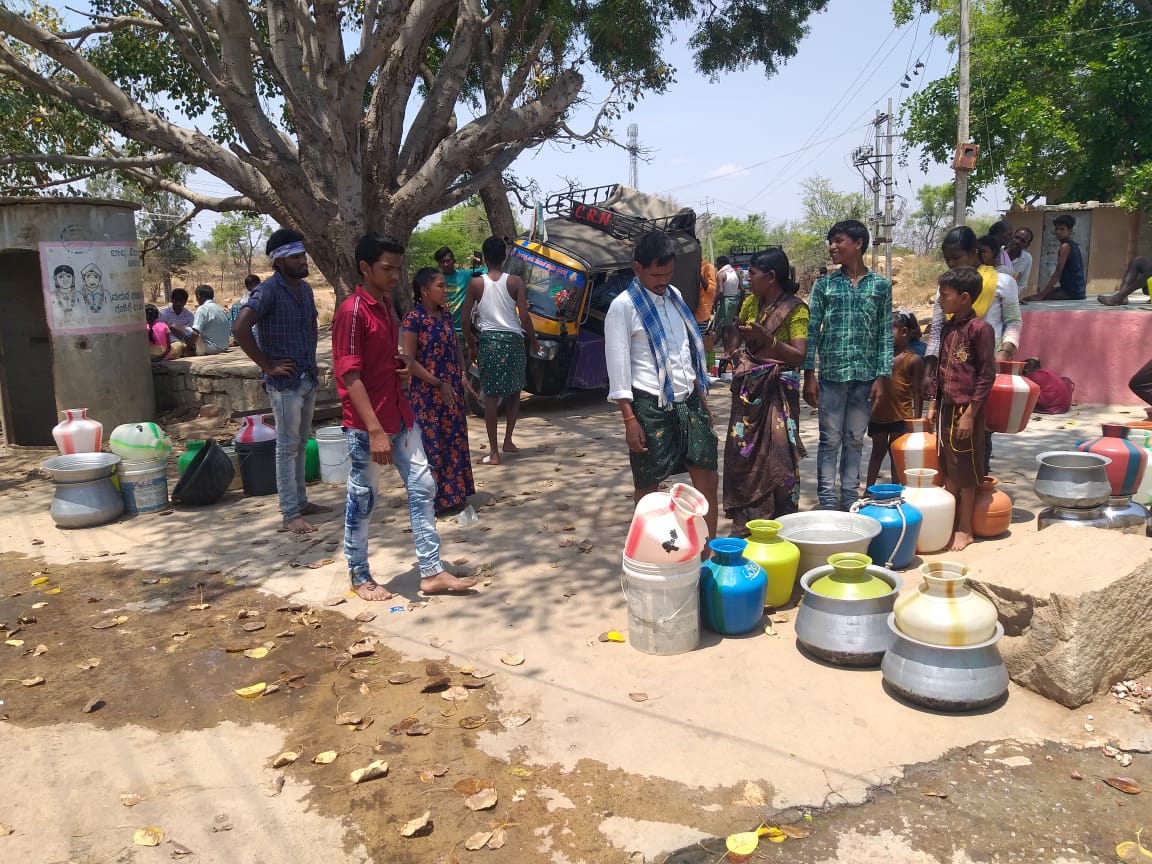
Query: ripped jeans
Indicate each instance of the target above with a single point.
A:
(412, 465)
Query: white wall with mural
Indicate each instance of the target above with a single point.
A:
(91, 287)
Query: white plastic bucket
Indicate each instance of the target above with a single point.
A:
(335, 463)
(144, 485)
(663, 605)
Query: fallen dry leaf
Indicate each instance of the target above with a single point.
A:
(149, 836)
(5, 830)
(257, 653)
(752, 796)
(285, 758)
(773, 834)
(513, 719)
(348, 718)
(179, 850)
(419, 826)
(363, 647)
(252, 626)
(366, 617)
(520, 771)
(611, 636)
(418, 729)
(480, 674)
(473, 722)
(90, 663)
(1125, 784)
(477, 840)
(131, 799)
(638, 697)
(1133, 852)
(485, 799)
(432, 685)
(105, 625)
(438, 770)
(469, 684)
(33, 682)
(252, 690)
(470, 786)
(40, 605)
(744, 843)
(455, 694)
(404, 725)
(323, 562)
(796, 832)
(15, 643)
(92, 705)
(39, 649)
(371, 771)
(199, 607)
(399, 678)
(326, 757)
(512, 659)
(435, 670)
(497, 840)
(335, 601)
(42, 580)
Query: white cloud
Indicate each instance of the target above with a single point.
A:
(728, 169)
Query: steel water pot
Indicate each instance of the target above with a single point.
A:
(1073, 479)
(846, 632)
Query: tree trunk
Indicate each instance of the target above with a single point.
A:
(1134, 220)
(494, 194)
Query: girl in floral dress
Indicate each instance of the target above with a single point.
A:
(428, 340)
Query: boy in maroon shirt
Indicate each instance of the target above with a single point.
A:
(964, 377)
(378, 422)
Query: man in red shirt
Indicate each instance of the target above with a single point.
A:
(378, 421)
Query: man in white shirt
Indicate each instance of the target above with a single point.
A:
(656, 375)
(1020, 257)
(211, 327)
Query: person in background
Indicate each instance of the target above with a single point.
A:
(436, 391)
(160, 343)
(501, 302)
(456, 280)
(706, 296)
(1001, 233)
(762, 451)
(1067, 279)
(998, 304)
(378, 422)
(989, 251)
(727, 296)
(210, 328)
(1020, 257)
(656, 376)
(916, 341)
(177, 315)
(963, 380)
(250, 282)
(1137, 277)
(903, 396)
(850, 331)
(282, 312)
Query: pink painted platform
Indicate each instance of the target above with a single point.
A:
(1098, 347)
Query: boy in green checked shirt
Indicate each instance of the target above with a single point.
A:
(850, 331)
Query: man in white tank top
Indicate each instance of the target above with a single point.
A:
(500, 303)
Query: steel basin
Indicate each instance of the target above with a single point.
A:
(80, 467)
(846, 632)
(946, 678)
(1073, 479)
(820, 533)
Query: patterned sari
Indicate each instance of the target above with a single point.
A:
(763, 450)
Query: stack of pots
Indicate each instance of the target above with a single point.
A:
(1075, 486)
(1125, 474)
(843, 616)
(943, 652)
(661, 570)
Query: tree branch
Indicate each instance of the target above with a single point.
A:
(151, 244)
(103, 162)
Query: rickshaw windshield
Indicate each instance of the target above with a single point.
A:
(554, 291)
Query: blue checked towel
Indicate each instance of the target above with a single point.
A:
(658, 340)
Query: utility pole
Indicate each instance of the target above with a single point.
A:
(708, 216)
(889, 196)
(960, 201)
(633, 156)
(876, 193)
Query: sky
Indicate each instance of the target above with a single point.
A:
(744, 143)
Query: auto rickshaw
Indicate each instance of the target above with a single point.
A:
(576, 265)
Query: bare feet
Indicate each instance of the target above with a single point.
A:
(311, 509)
(509, 447)
(491, 459)
(960, 541)
(299, 526)
(445, 583)
(371, 591)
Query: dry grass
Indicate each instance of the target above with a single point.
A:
(914, 284)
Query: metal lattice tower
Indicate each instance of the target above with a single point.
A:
(634, 156)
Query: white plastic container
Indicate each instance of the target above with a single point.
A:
(663, 606)
(935, 504)
(335, 463)
(78, 433)
(140, 442)
(144, 485)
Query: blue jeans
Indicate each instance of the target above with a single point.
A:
(844, 412)
(293, 409)
(412, 465)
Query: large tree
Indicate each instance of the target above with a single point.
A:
(1061, 102)
(307, 109)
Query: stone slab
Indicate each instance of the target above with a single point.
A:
(1075, 604)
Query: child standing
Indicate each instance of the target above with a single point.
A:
(964, 376)
(903, 396)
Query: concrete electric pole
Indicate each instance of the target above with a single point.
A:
(960, 201)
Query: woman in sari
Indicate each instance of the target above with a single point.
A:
(763, 450)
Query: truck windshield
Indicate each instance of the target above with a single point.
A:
(554, 291)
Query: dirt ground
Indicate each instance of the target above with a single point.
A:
(583, 771)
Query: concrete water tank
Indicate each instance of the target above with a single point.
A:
(72, 332)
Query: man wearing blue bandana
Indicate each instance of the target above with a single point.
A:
(283, 312)
(656, 375)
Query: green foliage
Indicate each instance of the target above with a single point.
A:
(239, 236)
(737, 34)
(931, 218)
(462, 229)
(729, 232)
(1061, 103)
(824, 206)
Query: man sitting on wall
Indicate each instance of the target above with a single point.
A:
(210, 327)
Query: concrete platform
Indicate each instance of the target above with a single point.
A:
(1098, 347)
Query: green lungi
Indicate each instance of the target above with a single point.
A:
(501, 359)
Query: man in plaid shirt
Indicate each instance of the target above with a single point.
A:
(283, 312)
(850, 331)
